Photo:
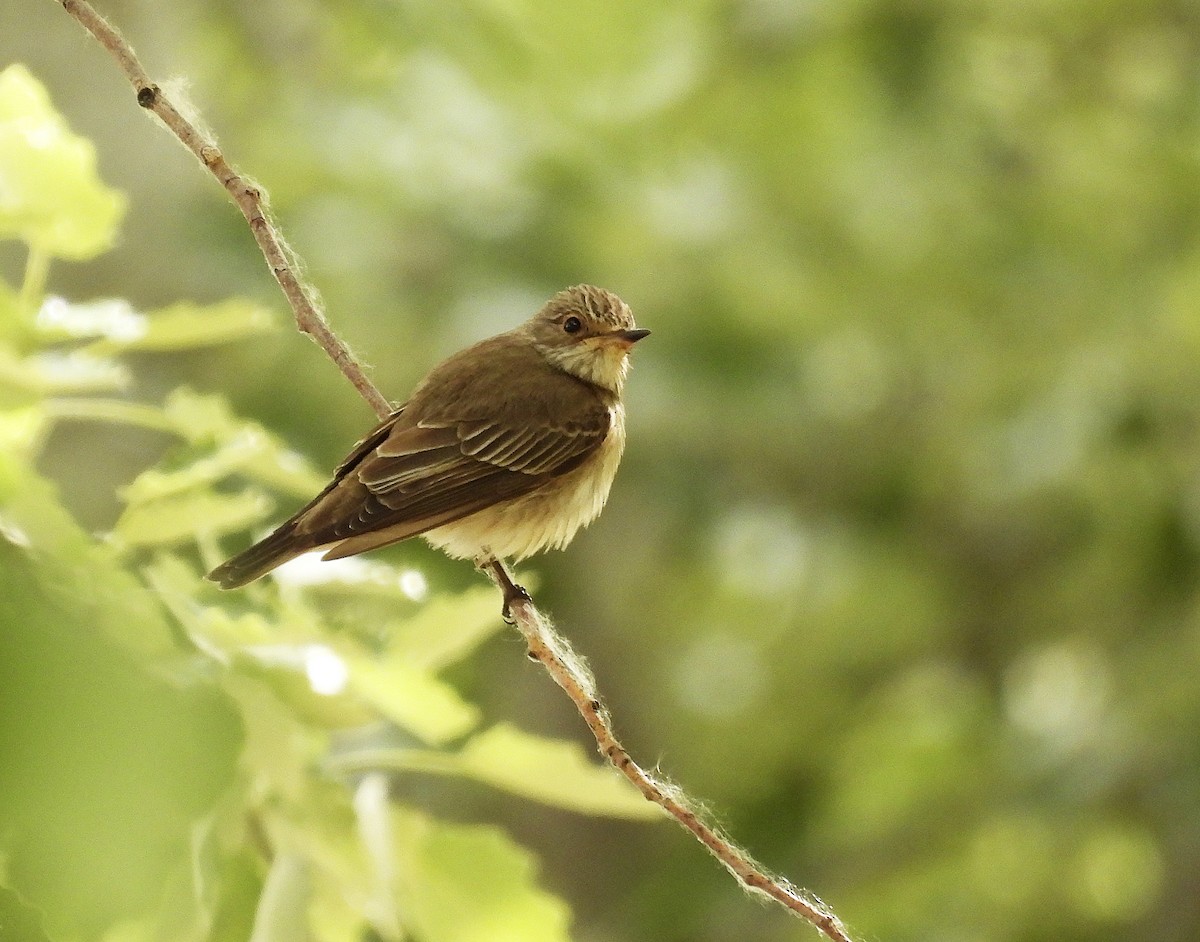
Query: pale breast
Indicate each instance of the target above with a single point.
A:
(546, 519)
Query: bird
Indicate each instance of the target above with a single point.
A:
(505, 449)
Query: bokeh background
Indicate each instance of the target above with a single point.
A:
(900, 571)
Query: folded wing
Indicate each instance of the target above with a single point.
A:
(408, 476)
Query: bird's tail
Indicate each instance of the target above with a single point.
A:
(259, 559)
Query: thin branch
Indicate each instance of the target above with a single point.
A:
(249, 199)
(546, 646)
(570, 672)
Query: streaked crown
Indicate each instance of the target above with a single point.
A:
(602, 308)
(581, 331)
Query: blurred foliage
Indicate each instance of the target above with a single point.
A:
(900, 572)
(182, 764)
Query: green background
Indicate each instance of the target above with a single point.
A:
(900, 572)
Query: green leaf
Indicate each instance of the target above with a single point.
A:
(333, 914)
(199, 418)
(247, 448)
(137, 929)
(19, 383)
(446, 629)
(279, 749)
(186, 325)
(419, 702)
(462, 883)
(276, 466)
(50, 194)
(319, 824)
(113, 411)
(19, 921)
(56, 373)
(77, 372)
(184, 517)
(59, 319)
(210, 628)
(552, 771)
(237, 896)
(34, 524)
(108, 759)
(275, 652)
(21, 429)
(182, 916)
(289, 670)
(281, 915)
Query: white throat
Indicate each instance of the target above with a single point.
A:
(597, 361)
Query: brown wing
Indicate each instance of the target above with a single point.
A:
(433, 461)
(288, 539)
(403, 479)
(423, 476)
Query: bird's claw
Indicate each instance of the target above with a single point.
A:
(513, 593)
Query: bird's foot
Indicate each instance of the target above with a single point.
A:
(509, 590)
(513, 593)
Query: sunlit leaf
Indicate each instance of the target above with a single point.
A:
(246, 447)
(198, 417)
(240, 876)
(113, 411)
(18, 920)
(446, 629)
(461, 883)
(141, 929)
(19, 381)
(332, 917)
(185, 325)
(291, 671)
(211, 628)
(355, 581)
(21, 428)
(373, 814)
(319, 824)
(34, 523)
(422, 704)
(552, 771)
(309, 677)
(114, 318)
(50, 193)
(282, 469)
(183, 913)
(184, 517)
(281, 914)
(75, 371)
(126, 758)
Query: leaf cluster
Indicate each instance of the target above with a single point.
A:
(186, 764)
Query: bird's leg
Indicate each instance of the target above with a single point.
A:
(510, 591)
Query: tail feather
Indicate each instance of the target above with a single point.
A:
(259, 559)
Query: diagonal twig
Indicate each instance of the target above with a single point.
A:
(570, 672)
(545, 645)
(249, 198)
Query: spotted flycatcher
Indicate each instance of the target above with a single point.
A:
(504, 450)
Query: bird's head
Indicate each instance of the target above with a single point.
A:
(587, 332)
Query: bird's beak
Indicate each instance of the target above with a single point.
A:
(629, 337)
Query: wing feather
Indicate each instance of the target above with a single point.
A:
(434, 461)
(421, 475)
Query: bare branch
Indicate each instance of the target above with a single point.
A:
(568, 670)
(546, 646)
(249, 199)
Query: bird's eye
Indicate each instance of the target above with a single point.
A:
(572, 325)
